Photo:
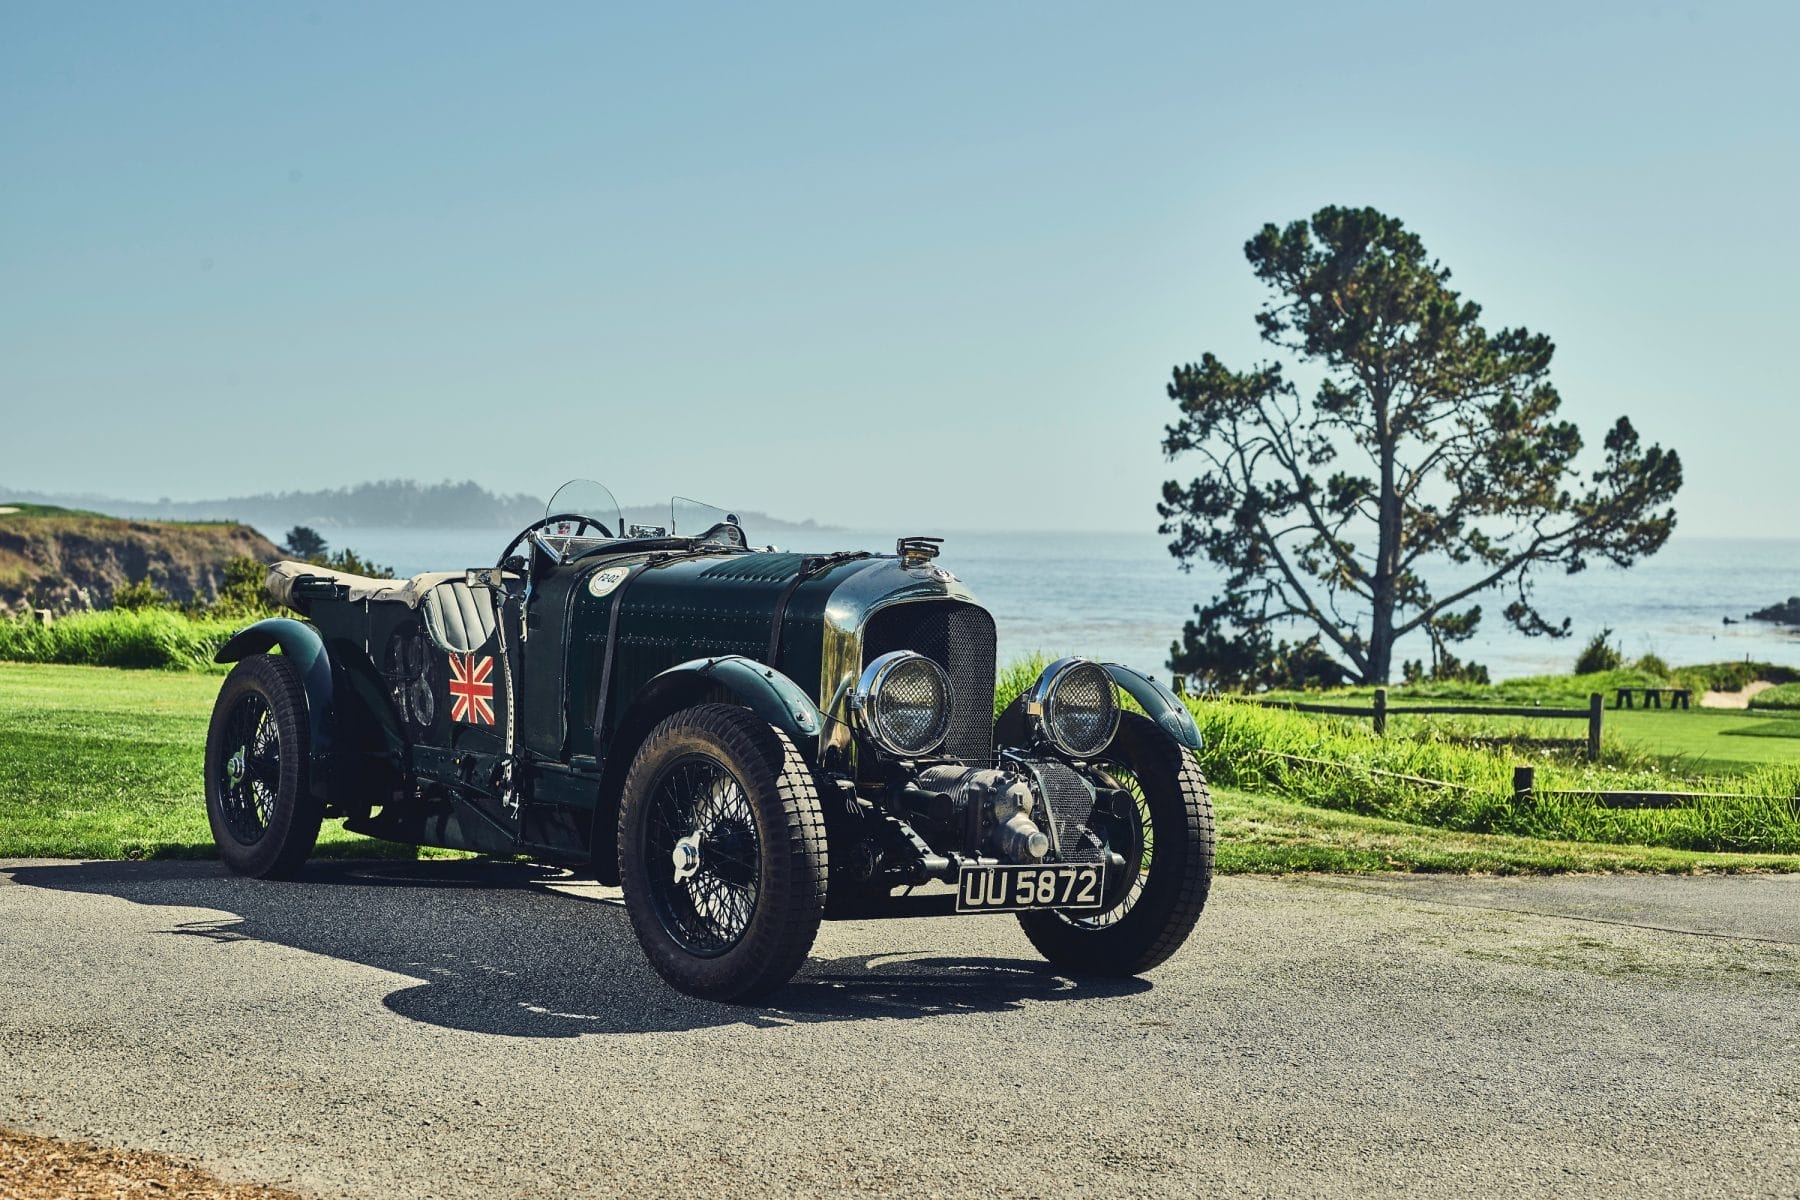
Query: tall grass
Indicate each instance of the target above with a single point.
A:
(154, 638)
(1245, 744)
(1258, 749)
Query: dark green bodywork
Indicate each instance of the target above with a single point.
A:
(586, 672)
(301, 645)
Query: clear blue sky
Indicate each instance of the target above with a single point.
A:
(922, 264)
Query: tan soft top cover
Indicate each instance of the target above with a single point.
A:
(280, 583)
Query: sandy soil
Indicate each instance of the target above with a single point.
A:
(41, 1168)
(1734, 699)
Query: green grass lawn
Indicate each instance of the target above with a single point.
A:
(1266, 834)
(1708, 739)
(1683, 742)
(1775, 729)
(103, 763)
(1340, 764)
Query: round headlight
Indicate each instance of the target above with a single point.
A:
(1076, 707)
(902, 702)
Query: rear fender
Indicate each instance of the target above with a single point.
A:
(301, 644)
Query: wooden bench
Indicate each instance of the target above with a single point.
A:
(1653, 697)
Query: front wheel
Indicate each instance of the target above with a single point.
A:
(722, 853)
(264, 817)
(1166, 836)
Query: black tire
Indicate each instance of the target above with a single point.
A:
(741, 923)
(1154, 907)
(259, 802)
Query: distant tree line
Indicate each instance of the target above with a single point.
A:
(391, 502)
(403, 502)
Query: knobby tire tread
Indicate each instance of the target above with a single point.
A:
(775, 947)
(1146, 937)
(293, 830)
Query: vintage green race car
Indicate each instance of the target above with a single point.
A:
(748, 741)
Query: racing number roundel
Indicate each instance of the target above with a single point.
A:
(603, 583)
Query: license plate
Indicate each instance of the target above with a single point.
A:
(1016, 888)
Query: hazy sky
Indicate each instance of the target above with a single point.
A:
(913, 263)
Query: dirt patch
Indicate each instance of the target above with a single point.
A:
(42, 1168)
(1738, 699)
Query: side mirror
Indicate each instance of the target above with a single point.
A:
(485, 577)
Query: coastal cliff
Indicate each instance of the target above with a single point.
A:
(67, 561)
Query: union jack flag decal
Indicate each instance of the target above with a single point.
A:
(471, 689)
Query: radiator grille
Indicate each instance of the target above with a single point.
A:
(959, 637)
(1070, 804)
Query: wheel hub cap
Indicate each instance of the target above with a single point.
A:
(687, 857)
(234, 768)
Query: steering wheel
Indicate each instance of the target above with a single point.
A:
(582, 524)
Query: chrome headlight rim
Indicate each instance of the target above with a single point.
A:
(1039, 705)
(866, 705)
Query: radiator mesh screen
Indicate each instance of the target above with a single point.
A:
(958, 637)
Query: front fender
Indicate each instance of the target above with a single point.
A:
(762, 689)
(301, 644)
(1159, 704)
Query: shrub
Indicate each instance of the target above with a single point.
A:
(1447, 669)
(241, 597)
(1782, 698)
(352, 563)
(1599, 655)
(140, 594)
(1650, 664)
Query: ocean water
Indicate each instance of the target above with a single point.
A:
(1121, 597)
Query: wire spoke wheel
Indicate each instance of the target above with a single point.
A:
(1164, 834)
(251, 770)
(259, 800)
(1130, 833)
(702, 855)
(722, 852)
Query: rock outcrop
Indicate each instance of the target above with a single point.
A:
(1782, 614)
(67, 561)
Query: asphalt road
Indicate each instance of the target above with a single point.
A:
(467, 1029)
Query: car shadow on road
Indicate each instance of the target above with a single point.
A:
(528, 951)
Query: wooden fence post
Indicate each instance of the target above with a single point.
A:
(1594, 711)
(1524, 784)
(1380, 712)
